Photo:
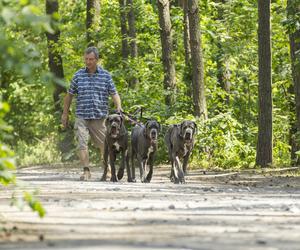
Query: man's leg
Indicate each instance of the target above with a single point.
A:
(82, 133)
(97, 130)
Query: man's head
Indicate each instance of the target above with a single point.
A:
(91, 56)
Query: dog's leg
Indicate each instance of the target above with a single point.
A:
(105, 162)
(178, 173)
(122, 165)
(128, 170)
(185, 163)
(133, 155)
(141, 166)
(150, 173)
(172, 175)
(112, 159)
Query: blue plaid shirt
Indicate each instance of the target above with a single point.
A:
(92, 91)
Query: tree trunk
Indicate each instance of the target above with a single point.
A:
(223, 72)
(167, 49)
(293, 7)
(66, 143)
(124, 32)
(186, 36)
(132, 38)
(92, 21)
(55, 59)
(197, 60)
(264, 143)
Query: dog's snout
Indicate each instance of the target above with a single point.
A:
(153, 134)
(114, 125)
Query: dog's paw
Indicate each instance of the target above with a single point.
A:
(114, 179)
(146, 180)
(130, 180)
(103, 178)
(176, 181)
(182, 181)
(133, 180)
(120, 173)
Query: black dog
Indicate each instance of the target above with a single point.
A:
(143, 148)
(180, 142)
(116, 141)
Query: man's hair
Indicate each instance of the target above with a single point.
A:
(92, 50)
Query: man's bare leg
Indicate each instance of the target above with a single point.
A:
(84, 161)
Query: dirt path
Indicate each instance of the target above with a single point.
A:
(237, 211)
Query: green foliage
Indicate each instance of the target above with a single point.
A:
(219, 143)
(41, 152)
(19, 62)
(229, 39)
(6, 155)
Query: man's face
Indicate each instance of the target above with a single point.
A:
(90, 60)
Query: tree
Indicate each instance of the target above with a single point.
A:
(186, 35)
(197, 60)
(221, 60)
(55, 59)
(264, 150)
(124, 31)
(167, 49)
(293, 7)
(92, 21)
(132, 37)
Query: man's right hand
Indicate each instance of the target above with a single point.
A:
(64, 120)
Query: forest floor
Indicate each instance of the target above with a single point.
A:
(213, 210)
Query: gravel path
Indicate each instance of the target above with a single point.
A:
(212, 211)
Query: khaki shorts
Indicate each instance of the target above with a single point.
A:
(94, 128)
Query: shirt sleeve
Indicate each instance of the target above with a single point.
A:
(111, 86)
(74, 86)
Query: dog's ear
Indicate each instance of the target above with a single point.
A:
(122, 120)
(146, 128)
(159, 126)
(181, 129)
(107, 122)
(196, 128)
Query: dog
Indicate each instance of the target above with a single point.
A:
(116, 141)
(180, 139)
(143, 148)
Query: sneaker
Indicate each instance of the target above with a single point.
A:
(86, 174)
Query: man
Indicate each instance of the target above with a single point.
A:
(92, 85)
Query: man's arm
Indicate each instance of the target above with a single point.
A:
(117, 101)
(65, 115)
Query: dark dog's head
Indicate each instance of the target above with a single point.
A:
(114, 124)
(188, 130)
(152, 129)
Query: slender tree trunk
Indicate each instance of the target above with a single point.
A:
(293, 7)
(186, 35)
(223, 72)
(187, 49)
(264, 144)
(92, 21)
(55, 60)
(124, 31)
(132, 38)
(197, 60)
(66, 143)
(167, 49)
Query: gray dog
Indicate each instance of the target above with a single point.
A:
(116, 141)
(180, 142)
(143, 148)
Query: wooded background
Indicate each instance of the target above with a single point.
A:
(230, 65)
